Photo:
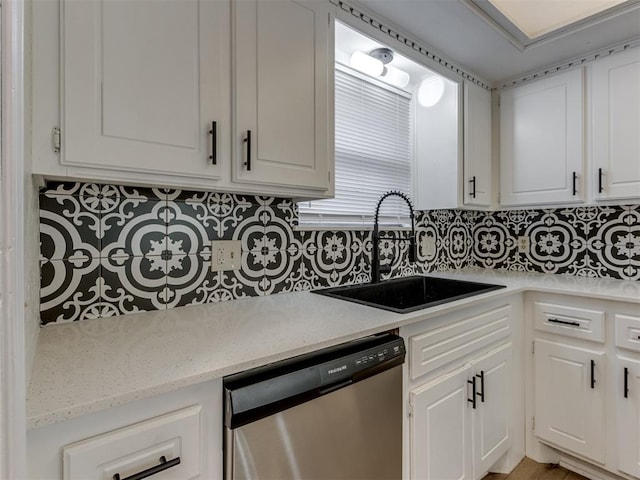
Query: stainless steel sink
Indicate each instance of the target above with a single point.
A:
(408, 294)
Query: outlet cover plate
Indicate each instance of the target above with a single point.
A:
(523, 244)
(226, 255)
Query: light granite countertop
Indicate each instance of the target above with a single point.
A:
(92, 365)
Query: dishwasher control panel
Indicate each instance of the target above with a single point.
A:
(346, 367)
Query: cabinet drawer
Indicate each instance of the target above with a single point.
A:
(627, 332)
(140, 447)
(569, 321)
(436, 348)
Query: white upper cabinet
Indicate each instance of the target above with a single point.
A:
(143, 93)
(477, 146)
(283, 56)
(142, 83)
(616, 126)
(541, 141)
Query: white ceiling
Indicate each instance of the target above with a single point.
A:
(456, 31)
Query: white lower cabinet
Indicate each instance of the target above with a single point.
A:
(569, 397)
(441, 428)
(167, 446)
(461, 395)
(628, 415)
(491, 420)
(177, 435)
(585, 383)
(460, 421)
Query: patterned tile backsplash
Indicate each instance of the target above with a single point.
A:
(107, 250)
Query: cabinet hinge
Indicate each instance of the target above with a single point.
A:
(533, 348)
(409, 409)
(533, 423)
(329, 176)
(55, 139)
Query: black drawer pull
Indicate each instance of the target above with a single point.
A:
(626, 382)
(575, 180)
(473, 185)
(481, 393)
(593, 374)
(472, 400)
(247, 140)
(214, 142)
(563, 322)
(162, 466)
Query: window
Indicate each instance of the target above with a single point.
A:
(372, 154)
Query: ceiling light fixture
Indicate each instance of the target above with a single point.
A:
(366, 64)
(375, 64)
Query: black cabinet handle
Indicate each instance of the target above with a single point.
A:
(626, 382)
(214, 142)
(481, 393)
(161, 467)
(593, 374)
(473, 187)
(247, 140)
(472, 400)
(599, 180)
(563, 322)
(575, 180)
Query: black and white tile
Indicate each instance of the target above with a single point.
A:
(109, 250)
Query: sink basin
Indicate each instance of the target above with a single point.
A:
(408, 294)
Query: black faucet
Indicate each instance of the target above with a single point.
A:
(376, 268)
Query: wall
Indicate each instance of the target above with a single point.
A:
(108, 250)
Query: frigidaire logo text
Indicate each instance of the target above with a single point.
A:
(338, 369)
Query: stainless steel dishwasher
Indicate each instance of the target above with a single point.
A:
(332, 414)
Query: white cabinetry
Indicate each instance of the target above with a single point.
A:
(461, 394)
(282, 55)
(627, 392)
(169, 443)
(441, 428)
(132, 438)
(147, 95)
(628, 415)
(586, 382)
(569, 397)
(142, 83)
(541, 141)
(615, 95)
(477, 146)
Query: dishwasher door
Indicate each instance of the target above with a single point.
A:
(353, 431)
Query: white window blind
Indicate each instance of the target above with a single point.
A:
(372, 156)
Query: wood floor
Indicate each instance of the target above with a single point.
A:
(530, 470)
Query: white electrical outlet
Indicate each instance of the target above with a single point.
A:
(523, 244)
(428, 246)
(226, 255)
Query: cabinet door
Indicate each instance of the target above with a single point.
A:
(541, 141)
(569, 397)
(477, 145)
(628, 415)
(283, 58)
(491, 427)
(440, 428)
(616, 125)
(142, 83)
